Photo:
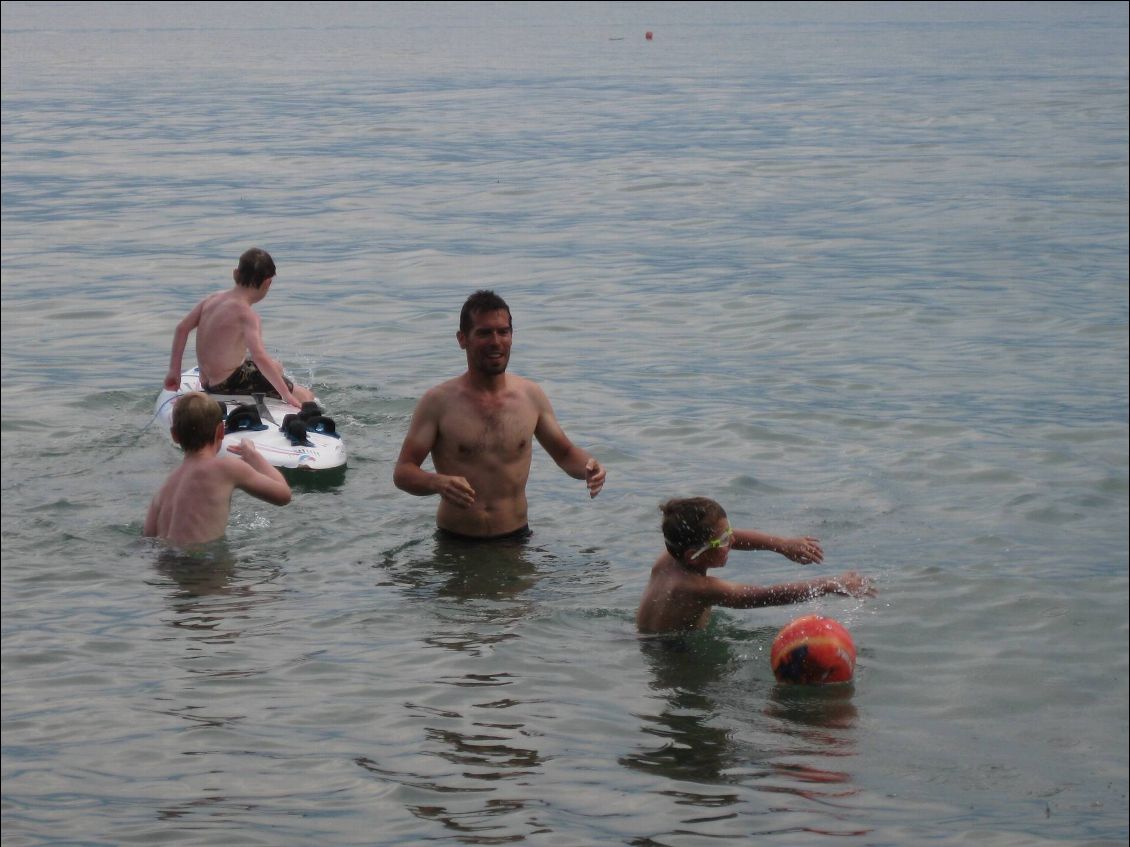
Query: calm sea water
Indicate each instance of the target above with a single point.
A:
(856, 271)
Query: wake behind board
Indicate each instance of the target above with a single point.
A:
(309, 442)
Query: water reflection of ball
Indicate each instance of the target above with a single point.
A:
(812, 650)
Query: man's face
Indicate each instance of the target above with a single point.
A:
(488, 342)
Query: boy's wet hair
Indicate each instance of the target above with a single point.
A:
(195, 417)
(481, 301)
(689, 522)
(255, 266)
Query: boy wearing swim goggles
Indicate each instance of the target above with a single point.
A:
(698, 536)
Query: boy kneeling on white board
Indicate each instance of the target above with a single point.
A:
(698, 536)
(229, 338)
(193, 505)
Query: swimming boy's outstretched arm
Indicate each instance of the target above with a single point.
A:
(802, 548)
(732, 595)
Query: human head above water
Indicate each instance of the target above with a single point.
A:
(255, 266)
(478, 303)
(689, 523)
(195, 417)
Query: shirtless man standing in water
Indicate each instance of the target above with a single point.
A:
(479, 429)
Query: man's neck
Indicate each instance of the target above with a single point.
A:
(486, 383)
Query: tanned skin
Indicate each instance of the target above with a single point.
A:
(194, 504)
(479, 429)
(228, 330)
(680, 594)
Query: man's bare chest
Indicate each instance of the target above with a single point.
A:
(500, 431)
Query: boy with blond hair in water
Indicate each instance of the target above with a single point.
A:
(698, 536)
(193, 505)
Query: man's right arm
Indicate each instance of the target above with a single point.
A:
(410, 476)
(180, 339)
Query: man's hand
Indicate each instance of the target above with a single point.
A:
(172, 381)
(455, 490)
(594, 477)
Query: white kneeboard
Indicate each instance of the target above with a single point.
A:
(310, 441)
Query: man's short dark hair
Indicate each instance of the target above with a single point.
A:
(479, 302)
(255, 266)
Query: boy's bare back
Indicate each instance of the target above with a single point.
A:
(222, 330)
(229, 333)
(193, 505)
(676, 598)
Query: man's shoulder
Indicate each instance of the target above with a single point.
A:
(529, 389)
(444, 389)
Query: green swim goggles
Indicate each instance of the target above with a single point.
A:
(726, 539)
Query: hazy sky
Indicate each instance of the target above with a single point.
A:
(71, 15)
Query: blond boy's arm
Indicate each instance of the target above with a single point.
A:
(257, 476)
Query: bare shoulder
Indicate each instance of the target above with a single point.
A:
(440, 395)
(225, 467)
(216, 298)
(528, 389)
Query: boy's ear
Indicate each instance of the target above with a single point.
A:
(235, 275)
(218, 435)
(173, 433)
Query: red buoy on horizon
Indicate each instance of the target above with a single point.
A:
(813, 650)
(647, 35)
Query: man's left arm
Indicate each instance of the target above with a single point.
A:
(575, 461)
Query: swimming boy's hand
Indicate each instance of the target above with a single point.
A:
(854, 585)
(804, 550)
(455, 490)
(594, 477)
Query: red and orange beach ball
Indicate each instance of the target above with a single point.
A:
(813, 650)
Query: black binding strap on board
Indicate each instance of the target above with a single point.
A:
(244, 418)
